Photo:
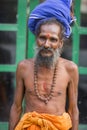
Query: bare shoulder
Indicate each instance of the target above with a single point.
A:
(70, 66)
(25, 65)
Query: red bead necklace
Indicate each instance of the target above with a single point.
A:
(42, 98)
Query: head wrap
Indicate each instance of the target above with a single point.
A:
(59, 9)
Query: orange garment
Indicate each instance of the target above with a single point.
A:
(36, 121)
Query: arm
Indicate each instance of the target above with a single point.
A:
(73, 97)
(16, 108)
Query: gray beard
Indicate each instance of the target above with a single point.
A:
(47, 61)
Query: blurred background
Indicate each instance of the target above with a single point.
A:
(16, 43)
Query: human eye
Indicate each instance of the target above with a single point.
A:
(42, 38)
(53, 40)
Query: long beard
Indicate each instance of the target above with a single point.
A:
(47, 61)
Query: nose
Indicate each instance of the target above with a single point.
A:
(47, 44)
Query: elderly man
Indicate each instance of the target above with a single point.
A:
(47, 81)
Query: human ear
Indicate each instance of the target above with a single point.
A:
(61, 44)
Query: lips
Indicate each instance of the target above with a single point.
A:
(46, 52)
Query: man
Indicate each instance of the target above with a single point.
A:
(47, 80)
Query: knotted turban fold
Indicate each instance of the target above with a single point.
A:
(58, 9)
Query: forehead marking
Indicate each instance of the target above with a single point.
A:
(48, 35)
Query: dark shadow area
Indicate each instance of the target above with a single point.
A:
(8, 15)
(6, 95)
(6, 87)
(8, 11)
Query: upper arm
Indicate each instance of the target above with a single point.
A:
(19, 90)
(73, 88)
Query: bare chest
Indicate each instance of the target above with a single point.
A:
(46, 85)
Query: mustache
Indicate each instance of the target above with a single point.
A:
(45, 49)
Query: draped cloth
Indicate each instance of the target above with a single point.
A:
(58, 9)
(36, 121)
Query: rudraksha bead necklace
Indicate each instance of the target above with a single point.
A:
(42, 98)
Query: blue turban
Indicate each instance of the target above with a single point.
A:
(58, 9)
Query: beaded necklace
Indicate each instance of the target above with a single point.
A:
(44, 99)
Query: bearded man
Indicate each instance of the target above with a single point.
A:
(48, 80)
